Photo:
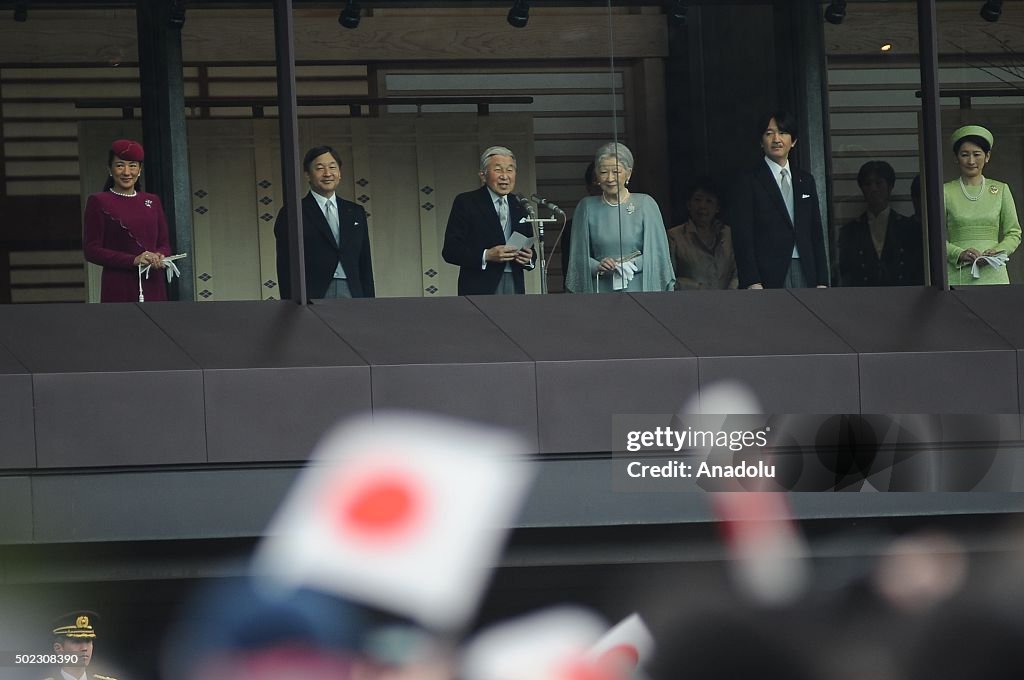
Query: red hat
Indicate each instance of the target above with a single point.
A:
(128, 150)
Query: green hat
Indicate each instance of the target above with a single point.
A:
(972, 130)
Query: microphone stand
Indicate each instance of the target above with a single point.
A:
(538, 224)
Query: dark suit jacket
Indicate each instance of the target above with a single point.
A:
(473, 227)
(763, 236)
(322, 251)
(902, 260)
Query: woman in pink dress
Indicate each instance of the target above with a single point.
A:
(126, 228)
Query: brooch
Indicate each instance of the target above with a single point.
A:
(149, 203)
(630, 208)
(993, 189)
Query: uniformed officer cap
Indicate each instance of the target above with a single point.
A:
(76, 625)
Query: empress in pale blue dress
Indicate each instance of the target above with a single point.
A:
(600, 230)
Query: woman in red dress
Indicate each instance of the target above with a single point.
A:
(126, 228)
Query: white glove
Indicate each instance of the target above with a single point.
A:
(996, 261)
(622, 275)
(170, 269)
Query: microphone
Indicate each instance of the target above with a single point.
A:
(525, 202)
(548, 204)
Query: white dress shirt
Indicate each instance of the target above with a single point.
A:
(339, 272)
(496, 202)
(777, 174)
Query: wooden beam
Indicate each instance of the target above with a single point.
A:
(223, 36)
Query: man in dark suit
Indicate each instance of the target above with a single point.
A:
(479, 226)
(334, 232)
(881, 247)
(776, 222)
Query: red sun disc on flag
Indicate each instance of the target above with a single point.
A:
(622, 658)
(381, 507)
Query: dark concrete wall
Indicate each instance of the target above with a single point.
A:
(191, 419)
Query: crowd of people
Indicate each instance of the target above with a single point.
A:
(767, 233)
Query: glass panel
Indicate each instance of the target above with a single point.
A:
(982, 84)
(548, 92)
(745, 99)
(448, 84)
(874, 86)
(50, 166)
(614, 191)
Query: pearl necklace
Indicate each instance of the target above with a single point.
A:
(630, 208)
(118, 193)
(604, 197)
(963, 188)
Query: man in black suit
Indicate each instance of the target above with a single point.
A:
(334, 232)
(881, 247)
(480, 224)
(776, 222)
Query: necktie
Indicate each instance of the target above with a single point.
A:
(503, 216)
(787, 193)
(331, 212)
(332, 221)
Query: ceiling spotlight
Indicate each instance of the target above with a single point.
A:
(21, 10)
(677, 12)
(519, 14)
(992, 10)
(835, 12)
(350, 15)
(886, 47)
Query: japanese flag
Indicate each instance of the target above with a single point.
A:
(548, 645)
(628, 646)
(769, 554)
(403, 512)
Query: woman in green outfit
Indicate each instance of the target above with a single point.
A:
(981, 218)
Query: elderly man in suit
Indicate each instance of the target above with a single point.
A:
(480, 225)
(776, 222)
(334, 232)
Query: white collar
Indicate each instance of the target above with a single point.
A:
(322, 200)
(776, 168)
(68, 676)
(880, 216)
(495, 197)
